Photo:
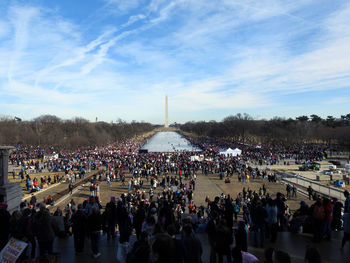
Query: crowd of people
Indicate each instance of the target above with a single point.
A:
(159, 205)
(166, 228)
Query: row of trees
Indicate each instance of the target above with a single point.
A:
(49, 130)
(243, 128)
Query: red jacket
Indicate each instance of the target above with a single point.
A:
(328, 210)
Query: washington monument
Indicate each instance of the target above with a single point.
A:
(166, 112)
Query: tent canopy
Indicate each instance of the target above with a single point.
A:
(230, 152)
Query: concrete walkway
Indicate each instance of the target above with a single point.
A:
(204, 187)
(294, 244)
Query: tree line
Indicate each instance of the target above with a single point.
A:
(51, 131)
(331, 131)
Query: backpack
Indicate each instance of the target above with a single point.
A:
(319, 212)
(236, 209)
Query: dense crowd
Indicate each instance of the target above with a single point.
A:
(166, 226)
(159, 204)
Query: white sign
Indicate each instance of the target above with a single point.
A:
(11, 252)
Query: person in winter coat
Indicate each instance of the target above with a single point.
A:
(223, 240)
(111, 218)
(328, 208)
(346, 237)
(241, 236)
(179, 245)
(140, 252)
(94, 228)
(337, 215)
(271, 220)
(4, 225)
(44, 229)
(318, 219)
(25, 226)
(125, 226)
(259, 216)
(79, 224)
(192, 245)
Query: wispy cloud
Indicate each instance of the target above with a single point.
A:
(219, 56)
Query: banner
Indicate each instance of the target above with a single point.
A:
(11, 252)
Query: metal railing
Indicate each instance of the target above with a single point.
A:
(325, 190)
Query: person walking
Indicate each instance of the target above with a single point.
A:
(310, 192)
(70, 188)
(294, 191)
(288, 190)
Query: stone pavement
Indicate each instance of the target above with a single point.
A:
(294, 244)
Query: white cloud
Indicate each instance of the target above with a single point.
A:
(124, 5)
(206, 55)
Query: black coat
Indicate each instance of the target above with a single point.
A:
(79, 221)
(94, 222)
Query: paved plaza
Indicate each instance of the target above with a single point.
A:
(294, 244)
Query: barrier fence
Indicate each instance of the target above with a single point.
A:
(322, 189)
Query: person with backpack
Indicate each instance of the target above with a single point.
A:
(318, 219)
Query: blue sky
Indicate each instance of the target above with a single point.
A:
(116, 59)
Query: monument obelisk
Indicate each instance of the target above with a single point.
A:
(166, 112)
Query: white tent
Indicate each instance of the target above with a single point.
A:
(195, 158)
(230, 152)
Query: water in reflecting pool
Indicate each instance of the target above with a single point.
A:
(168, 142)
